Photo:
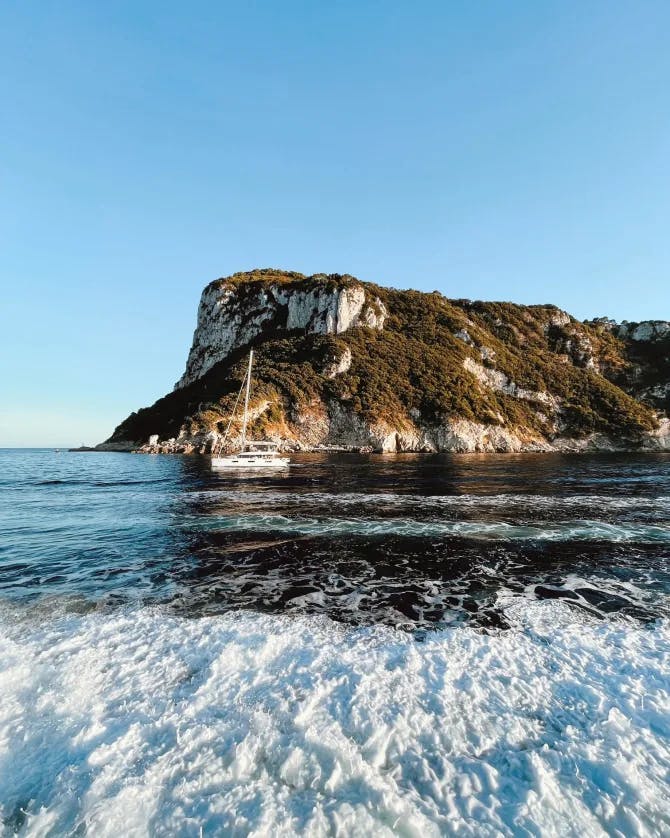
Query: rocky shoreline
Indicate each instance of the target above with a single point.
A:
(472, 442)
(344, 365)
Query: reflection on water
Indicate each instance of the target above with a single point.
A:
(408, 540)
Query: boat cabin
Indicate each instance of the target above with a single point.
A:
(266, 450)
(261, 446)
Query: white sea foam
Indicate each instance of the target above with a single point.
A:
(573, 530)
(467, 500)
(136, 722)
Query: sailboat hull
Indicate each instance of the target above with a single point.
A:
(248, 463)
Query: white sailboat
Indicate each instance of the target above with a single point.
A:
(252, 455)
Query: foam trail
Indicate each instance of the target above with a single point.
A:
(476, 501)
(551, 531)
(137, 722)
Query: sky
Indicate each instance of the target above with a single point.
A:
(490, 150)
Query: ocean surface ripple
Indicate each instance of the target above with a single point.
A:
(406, 645)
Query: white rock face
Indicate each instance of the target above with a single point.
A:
(341, 365)
(560, 319)
(464, 335)
(498, 381)
(465, 436)
(342, 428)
(648, 330)
(228, 318)
(659, 440)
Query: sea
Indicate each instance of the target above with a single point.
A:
(412, 645)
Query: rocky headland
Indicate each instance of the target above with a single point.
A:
(347, 364)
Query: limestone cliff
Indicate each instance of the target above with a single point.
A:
(234, 312)
(343, 363)
(646, 347)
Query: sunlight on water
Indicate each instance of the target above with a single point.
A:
(382, 645)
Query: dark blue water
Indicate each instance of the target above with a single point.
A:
(409, 540)
(406, 645)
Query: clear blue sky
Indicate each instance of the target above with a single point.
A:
(495, 150)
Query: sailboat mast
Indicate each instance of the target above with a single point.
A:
(246, 400)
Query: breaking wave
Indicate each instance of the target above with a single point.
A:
(184, 654)
(406, 501)
(574, 530)
(140, 722)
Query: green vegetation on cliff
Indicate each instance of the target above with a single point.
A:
(548, 375)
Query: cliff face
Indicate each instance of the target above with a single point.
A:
(344, 363)
(646, 347)
(235, 312)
